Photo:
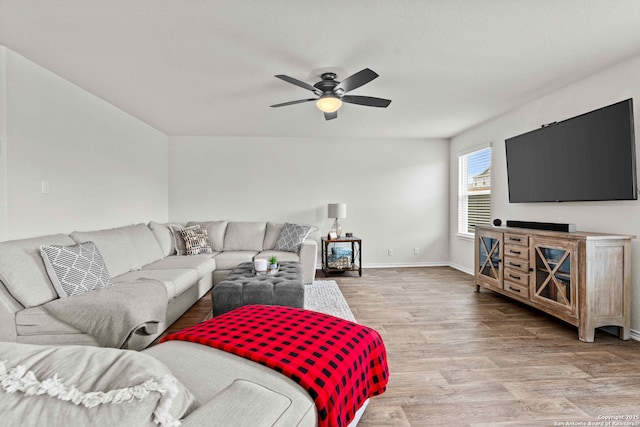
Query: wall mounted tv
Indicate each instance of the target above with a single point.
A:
(586, 158)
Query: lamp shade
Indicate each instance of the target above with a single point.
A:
(337, 210)
(329, 103)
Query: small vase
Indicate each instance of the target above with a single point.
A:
(273, 266)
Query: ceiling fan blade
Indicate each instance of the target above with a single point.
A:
(356, 80)
(300, 101)
(331, 116)
(368, 101)
(298, 83)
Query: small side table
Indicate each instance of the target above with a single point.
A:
(355, 262)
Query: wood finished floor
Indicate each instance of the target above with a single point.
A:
(461, 358)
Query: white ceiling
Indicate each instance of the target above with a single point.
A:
(195, 67)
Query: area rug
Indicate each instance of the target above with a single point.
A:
(323, 296)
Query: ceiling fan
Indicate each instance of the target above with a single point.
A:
(331, 93)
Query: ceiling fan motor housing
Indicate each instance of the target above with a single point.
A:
(328, 83)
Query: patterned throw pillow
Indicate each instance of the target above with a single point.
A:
(75, 269)
(196, 241)
(291, 237)
(178, 240)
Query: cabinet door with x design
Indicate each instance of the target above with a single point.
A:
(555, 275)
(488, 260)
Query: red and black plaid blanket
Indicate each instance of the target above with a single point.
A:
(340, 363)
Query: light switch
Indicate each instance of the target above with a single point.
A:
(46, 187)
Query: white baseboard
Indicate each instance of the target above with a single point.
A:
(406, 264)
(461, 268)
(414, 264)
(635, 335)
(401, 265)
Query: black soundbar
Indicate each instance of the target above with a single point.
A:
(551, 226)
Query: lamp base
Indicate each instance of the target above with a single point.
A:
(337, 228)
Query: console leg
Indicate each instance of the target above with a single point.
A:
(586, 334)
(625, 333)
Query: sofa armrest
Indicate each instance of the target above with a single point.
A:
(8, 309)
(243, 403)
(308, 258)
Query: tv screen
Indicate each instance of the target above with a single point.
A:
(585, 158)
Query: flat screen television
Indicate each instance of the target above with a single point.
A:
(590, 157)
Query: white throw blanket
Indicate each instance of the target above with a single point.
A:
(112, 315)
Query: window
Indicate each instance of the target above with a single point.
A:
(474, 190)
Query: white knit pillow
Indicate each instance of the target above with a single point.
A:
(88, 386)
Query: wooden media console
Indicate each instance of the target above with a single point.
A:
(580, 277)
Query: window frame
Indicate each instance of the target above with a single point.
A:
(463, 193)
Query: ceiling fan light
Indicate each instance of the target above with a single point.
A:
(329, 103)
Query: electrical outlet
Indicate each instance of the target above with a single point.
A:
(416, 251)
(390, 252)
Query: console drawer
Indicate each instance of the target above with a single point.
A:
(520, 252)
(516, 276)
(517, 289)
(516, 239)
(516, 263)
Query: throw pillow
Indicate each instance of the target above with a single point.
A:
(178, 239)
(216, 231)
(196, 241)
(75, 269)
(291, 237)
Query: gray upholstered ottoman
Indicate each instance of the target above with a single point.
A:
(243, 287)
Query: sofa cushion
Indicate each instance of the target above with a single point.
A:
(38, 321)
(216, 231)
(280, 256)
(228, 260)
(163, 235)
(145, 243)
(196, 241)
(203, 264)
(75, 269)
(116, 247)
(271, 235)
(82, 385)
(244, 236)
(245, 403)
(291, 237)
(176, 280)
(23, 272)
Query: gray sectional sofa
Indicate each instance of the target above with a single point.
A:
(141, 251)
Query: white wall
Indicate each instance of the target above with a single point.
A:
(396, 190)
(105, 167)
(621, 217)
(3, 145)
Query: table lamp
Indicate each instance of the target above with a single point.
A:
(337, 210)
